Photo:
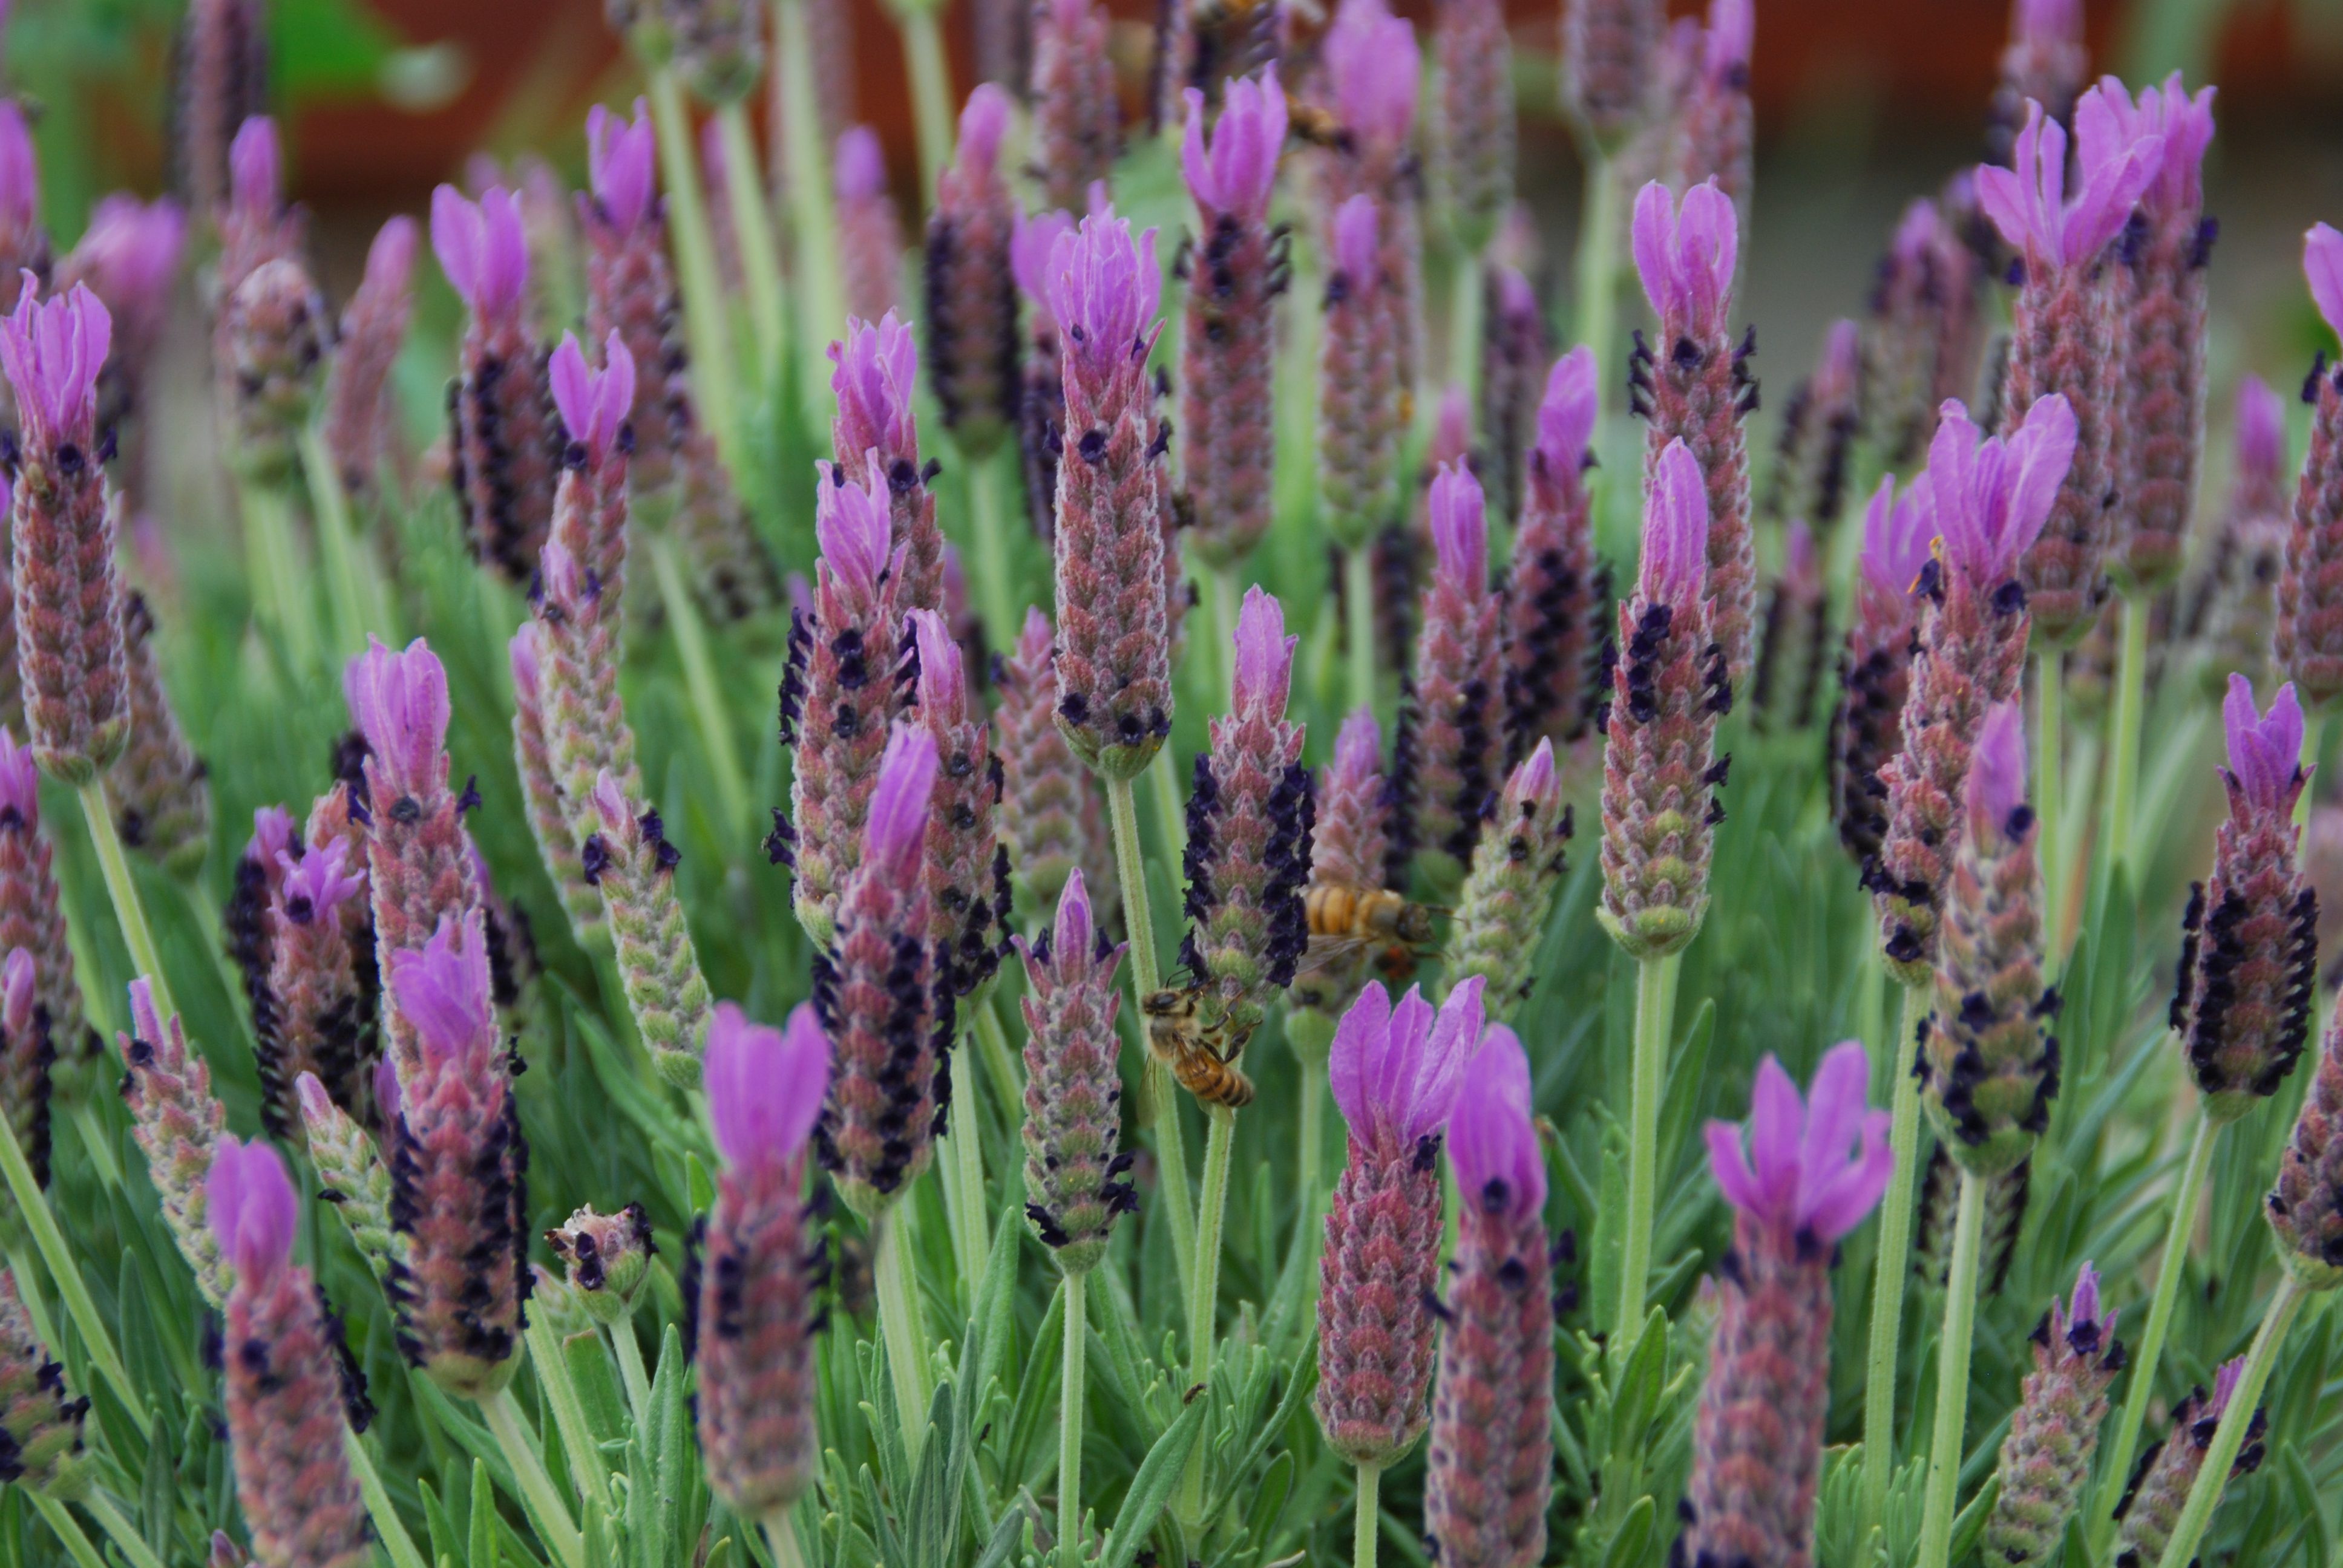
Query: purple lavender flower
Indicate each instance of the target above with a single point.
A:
(1359, 391)
(754, 1304)
(1453, 724)
(1473, 122)
(1875, 666)
(1490, 1471)
(1077, 112)
(870, 230)
(312, 1022)
(24, 243)
(129, 258)
(257, 227)
(1709, 136)
(972, 290)
(2310, 594)
(1554, 589)
(1074, 1165)
(360, 419)
(2045, 62)
(590, 506)
(877, 369)
(223, 59)
(1610, 59)
(966, 866)
(2169, 1469)
(503, 439)
(1374, 66)
(32, 911)
(1349, 848)
(1812, 1169)
(2046, 1460)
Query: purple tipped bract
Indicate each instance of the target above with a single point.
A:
(1801, 1171)
(898, 827)
(944, 682)
(618, 155)
(1732, 29)
(2261, 427)
(1395, 1070)
(859, 169)
(2265, 749)
(1237, 175)
(2047, 21)
(2225, 1385)
(1566, 417)
(1460, 529)
(1897, 532)
(131, 250)
(53, 350)
(2322, 267)
(850, 527)
(1997, 777)
(1686, 255)
(2028, 203)
(983, 124)
(17, 978)
(1030, 247)
(483, 248)
(2083, 1306)
(1492, 1143)
(399, 701)
(1358, 745)
(1357, 240)
(1104, 288)
(255, 168)
(2109, 123)
(1377, 72)
(877, 369)
(1264, 667)
(765, 1085)
(20, 779)
(1990, 496)
(251, 1208)
(593, 403)
(1675, 530)
(315, 884)
(443, 989)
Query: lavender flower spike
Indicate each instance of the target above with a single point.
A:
(1695, 386)
(1517, 869)
(1609, 58)
(1226, 343)
(972, 289)
(1077, 113)
(1490, 1471)
(503, 437)
(2310, 594)
(32, 911)
(1358, 390)
(877, 369)
(1709, 136)
(416, 863)
(1473, 130)
(2169, 1469)
(627, 855)
(129, 257)
(1553, 586)
(2045, 61)
(754, 1297)
(1048, 804)
(1349, 847)
(2046, 1460)
(1812, 1169)
(177, 1122)
(870, 230)
(163, 801)
(40, 1422)
(27, 1055)
(285, 1387)
(1660, 774)
(359, 416)
(68, 636)
(24, 244)
(1875, 667)
(591, 507)
(1074, 1165)
(350, 1165)
(1396, 1073)
(966, 866)
(1454, 720)
(1114, 645)
(312, 1024)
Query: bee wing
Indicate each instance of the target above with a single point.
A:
(1324, 951)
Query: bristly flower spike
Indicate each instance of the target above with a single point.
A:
(286, 1390)
(1473, 128)
(1490, 1474)
(256, 227)
(129, 258)
(1077, 109)
(1875, 666)
(2045, 61)
(1453, 725)
(1554, 588)
(2235, 606)
(1349, 848)
(2310, 594)
(1074, 1164)
(1374, 67)
(877, 368)
(1517, 867)
(26, 1055)
(870, 230)
(223, 80)
(40, 1422)
(177, 1122)
(755, 1307)
(1668, 689)
(627, 856)
(1610, 65)
(360, 420)
(1048, 805)
(1395, 1071)
(1359, 391)
(1694, 386)
(590, 508)
(972, 348)
(2046, 1460)
(2169, 1469)
(576, 615)
(32, 911)
(1812, 1169)
(313, 1023)
(967, 865)
(1710, 137)
(161, 788)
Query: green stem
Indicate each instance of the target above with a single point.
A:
(1656, 1006)
(902, 1329)
(961, 1157)
(1359, 612)
(2314, 735)
(548, 1515)
(2230, 1435)
(127, 909)
(783, 1540)
(96, 1341)
(587, 1473)
(268, 528)
(388, 1528)
(1465, 304)
(2117, 1471)
(707, 705)
(697, 275)
(329, 505)
(2123, 767)
(1204, 1293)
(631, 1369)
(1363, 1534)
(69, 1529)
(2049, 700)
(118, 1530)
(1073, 1413)
(760, 263)
(1002, 622)
(1163, 1095)
(1598, 254)
(1170, 810)
(813, 217)
(1894, 1268)
(1945, 1449)
(932, 95)
(1008, 1083)
(1226, 593)
(1310, 1139)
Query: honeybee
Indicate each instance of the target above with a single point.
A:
(1345, 921)
(1201, 1056)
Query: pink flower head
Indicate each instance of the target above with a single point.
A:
(1372, 58)
(1264, 667)
(593, 403)
(255, 169)
(146, 1022)
(1566, 417)
(482, 247)
(1686, 256)
(18, 991)
(1896, 534)
(2265, 749)
(1732, 28)
(1357, 243)
(1492, 1142)
(859, 169)
(983, 124)
(877, 369)
(443, 991)
(618, 155)
(2322, 266)
(765, 1085)
(53, 350)
(251, 1206)
(1675, 530)
(2027, 203)
(943, 683)
(1990, 496)
(1460, 529)
(1395, 1070)
(20, 171)
(897, 828)
(2108, 122)
(1030, 247)
(1239, 172)
(1997, 786)
(20, 782)
(2261, 428)
(314, 884)
(1805, 1178)
(130, 253)
(399, 702)
(1104, 286)
(1358, 745)
(850, 527)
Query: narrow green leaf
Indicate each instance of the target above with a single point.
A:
(1634, 1537)
(595, 1377)
(482, 1539)
(158, 1491)
(1969, 1525)
(1151, 1488)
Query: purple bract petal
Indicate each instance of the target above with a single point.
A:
(317, 877)
(943, 685)
(1686, 257)
(1072, 933)
(618, 163)
(1493, 1143)
(1732, 28)
(2027, 203)
(1029, 249)
(20, 782)
(877, 368)
(1357, 240)
(765, 1085)
(1675, 530)
(593, 403)
(443, 991)
(482, 248)
(2265, 749)
(1459, 530)
(1395, 1070)
(1799, 1172)
(983, 123)
(53, 350)
(859, 169)
(1565, 417)
(251, 1207)
(1241, 170)
(1264, 662)
(2225, 1385)
(20, 171)
(18, 992)
(2261, 428)
(1358, 745)
(1104, 288)
(2322, 265)
(1997, 778)
(1990, 497)
(2083, 1305)
(850, 527)
(256, 170)
(399, 701)
(897, 828)
(1375, 66)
